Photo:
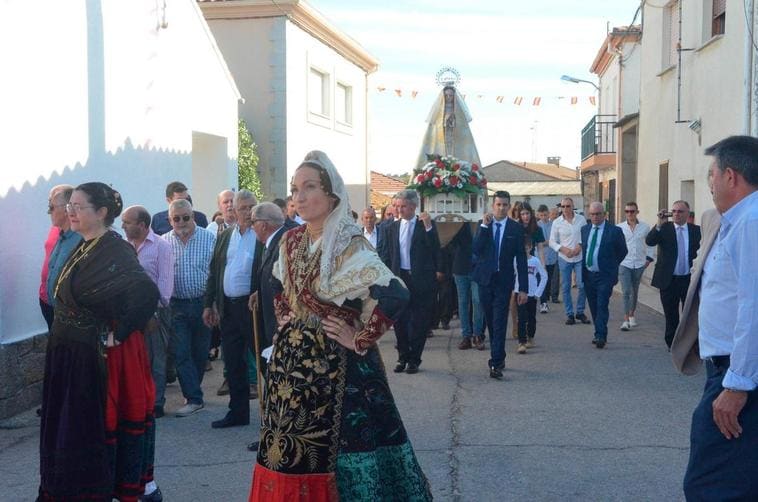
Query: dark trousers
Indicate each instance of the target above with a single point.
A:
(445, 301)
(551, 269)
(672, 299)
(720, 468)
(527, 319)
(494, 299)
(236, 332)
(414, 323)
(555, 282)
(598, 290)
(47, 313)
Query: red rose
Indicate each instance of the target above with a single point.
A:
(484, 182)
(456, 167)
(429, 175)
(453, 180)
(437, 182)
(474, 167)
(439, 163)
(420, 178)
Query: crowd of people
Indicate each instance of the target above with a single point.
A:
(126, 314)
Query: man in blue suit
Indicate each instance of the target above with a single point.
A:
(603, 250)
(497, 243)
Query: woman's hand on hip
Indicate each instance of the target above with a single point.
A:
(340, 331)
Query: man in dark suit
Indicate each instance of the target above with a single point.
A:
(270, 225)
(498, 241)
(603, 250)
(410, 248)
(230, 283)
(678, 243)
(174, 191)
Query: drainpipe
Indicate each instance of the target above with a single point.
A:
(749, 105)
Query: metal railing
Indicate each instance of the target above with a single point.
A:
(599, 136)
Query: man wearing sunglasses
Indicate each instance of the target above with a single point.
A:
(678, 243)
(192, 247)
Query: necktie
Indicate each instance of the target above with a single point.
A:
(497, 244)
(593, 243)
(681, 259)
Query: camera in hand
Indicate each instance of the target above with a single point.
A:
(665, 214)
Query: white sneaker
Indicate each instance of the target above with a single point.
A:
(632, 322)
(625, 326)
(189, 409)
(543, 308)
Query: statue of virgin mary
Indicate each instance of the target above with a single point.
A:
(448, 132)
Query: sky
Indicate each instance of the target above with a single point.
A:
(500, 48)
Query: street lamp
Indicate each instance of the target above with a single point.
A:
(575, 80)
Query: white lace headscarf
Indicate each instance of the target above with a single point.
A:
(354, 278)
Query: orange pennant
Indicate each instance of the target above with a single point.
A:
(592, 100)
(399, 93)
(414, 94)
(536, 101)
(499, 99)
(381, 88)
(518, 101)
(574, 100)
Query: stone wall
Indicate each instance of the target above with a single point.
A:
(22, 367)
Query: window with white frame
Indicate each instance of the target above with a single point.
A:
(343, 103)
(318, 92)
(670, 34)
(718, 17)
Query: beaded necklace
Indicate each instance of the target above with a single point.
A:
(78, 256)
(304, 264)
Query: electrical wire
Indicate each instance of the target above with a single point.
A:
(624, 59)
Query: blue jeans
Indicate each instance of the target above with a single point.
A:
(468, 295)
(566, 268)
(191, 340)
(630, 285)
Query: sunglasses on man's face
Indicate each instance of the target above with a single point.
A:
(630, 210)
(184, 218)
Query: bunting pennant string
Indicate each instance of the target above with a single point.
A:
(500, 99)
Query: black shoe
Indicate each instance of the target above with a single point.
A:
(445, 325)
(496, 373)
(158, 412)
(229, 421)
(556, 300)
(570, 320)
(253, 446)
(430, 334)
(583, 318)
(156, 496)
(412, 368)
(594, 341)
(600, 344)
(399, 368)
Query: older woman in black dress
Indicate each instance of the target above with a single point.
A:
(97, 433)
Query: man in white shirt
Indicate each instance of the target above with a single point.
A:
(637, 260)
(566, 240)
(225, 201)
(230, 283)
(724, 437)
(370, 232)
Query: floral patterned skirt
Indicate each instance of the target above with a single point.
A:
(330, 421)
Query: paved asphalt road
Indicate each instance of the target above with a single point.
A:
(568, 422)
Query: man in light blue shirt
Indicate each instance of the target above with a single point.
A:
(724, 438)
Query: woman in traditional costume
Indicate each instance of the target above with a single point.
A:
(330, 429)
(97, 434)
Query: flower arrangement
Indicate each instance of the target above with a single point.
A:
(446, 174)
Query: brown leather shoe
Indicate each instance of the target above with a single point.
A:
(465, 344)
(478, 342)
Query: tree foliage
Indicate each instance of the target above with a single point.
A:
(247, 161)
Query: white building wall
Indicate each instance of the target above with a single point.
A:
(94, 91)
(346, 146)
(712, 80)
(254, 49)
(630, 79)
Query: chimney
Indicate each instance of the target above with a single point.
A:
(556, 161)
